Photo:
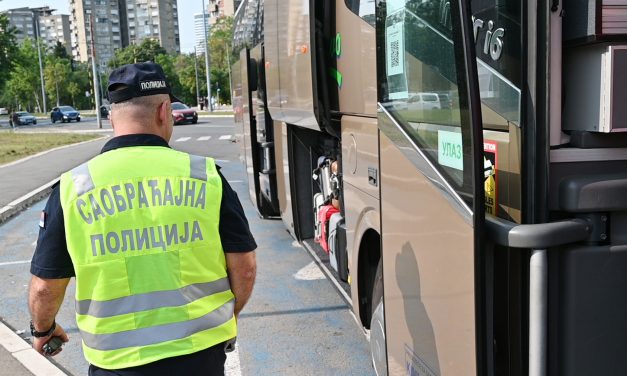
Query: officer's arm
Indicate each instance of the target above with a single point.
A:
(242, 269)
(44, 299)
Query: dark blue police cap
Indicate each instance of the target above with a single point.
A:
(138, 80)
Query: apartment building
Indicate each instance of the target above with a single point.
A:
(118, 23)
(199, 32)
(215, 10)
(153, 19)
(55, 28)
(104, 18)
(32, 22)
(219, 8)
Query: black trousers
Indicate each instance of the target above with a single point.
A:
(208, 362)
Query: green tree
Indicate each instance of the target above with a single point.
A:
(8, 54)
(73, 90)
(79, 83)
(24, 82)
(60, 51)
(148, 50)
(56, 74)
(184, 65)
(171, 74)
(221, 57)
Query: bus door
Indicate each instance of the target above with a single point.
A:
(431, 317)
(259, 137)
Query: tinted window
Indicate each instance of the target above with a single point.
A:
(497, 33)
(420, 64)
(179, 106)
(66, 108)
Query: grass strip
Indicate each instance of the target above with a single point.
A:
(15, 146)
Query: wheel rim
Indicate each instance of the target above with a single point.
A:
(377, 340)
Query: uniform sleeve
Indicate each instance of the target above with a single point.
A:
(234, 231)
(51, 259)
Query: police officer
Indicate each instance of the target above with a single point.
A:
(157, 240)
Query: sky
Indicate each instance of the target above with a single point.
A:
(186, 8)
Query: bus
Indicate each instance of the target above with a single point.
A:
(461, 166)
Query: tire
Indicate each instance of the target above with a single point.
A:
(194, 121)
(78, 119)
(377, 325)
(34, 122)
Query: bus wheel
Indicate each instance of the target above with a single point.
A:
(377, 325)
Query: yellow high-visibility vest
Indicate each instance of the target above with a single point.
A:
(141, 226)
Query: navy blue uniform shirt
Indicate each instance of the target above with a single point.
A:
(51, 260)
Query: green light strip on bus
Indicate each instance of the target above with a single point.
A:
(337, 75)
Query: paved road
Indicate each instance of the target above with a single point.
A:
(295, 323)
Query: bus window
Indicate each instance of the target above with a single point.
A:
(421, 91)
(496, 27)
(364, 9)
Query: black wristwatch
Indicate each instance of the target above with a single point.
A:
(47, 333)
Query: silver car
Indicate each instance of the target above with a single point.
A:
(24, 118)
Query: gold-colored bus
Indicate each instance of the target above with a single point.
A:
(461, 165)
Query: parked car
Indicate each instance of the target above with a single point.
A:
(3, 111)
(64, 113)
(424, 101)
(23, 118)
(181, 113)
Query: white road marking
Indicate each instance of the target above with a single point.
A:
(182, 139)
(234, 181)
(204, 138)
(311, 272)
(14, 262)
(226, 137)
(222, 161)
(232, 366)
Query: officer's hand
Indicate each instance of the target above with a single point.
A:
(38, 343)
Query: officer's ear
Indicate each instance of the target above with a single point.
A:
(165, 112)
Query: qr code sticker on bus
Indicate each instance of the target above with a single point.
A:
(394, 53)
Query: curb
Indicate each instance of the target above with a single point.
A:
(23, 352)
(18, 205)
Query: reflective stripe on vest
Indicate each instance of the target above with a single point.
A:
(160, 333)
(151, 279)
(151, 300)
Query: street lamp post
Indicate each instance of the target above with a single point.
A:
(204, 24)
(95, 73)
(196, 75)
(41, 66)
